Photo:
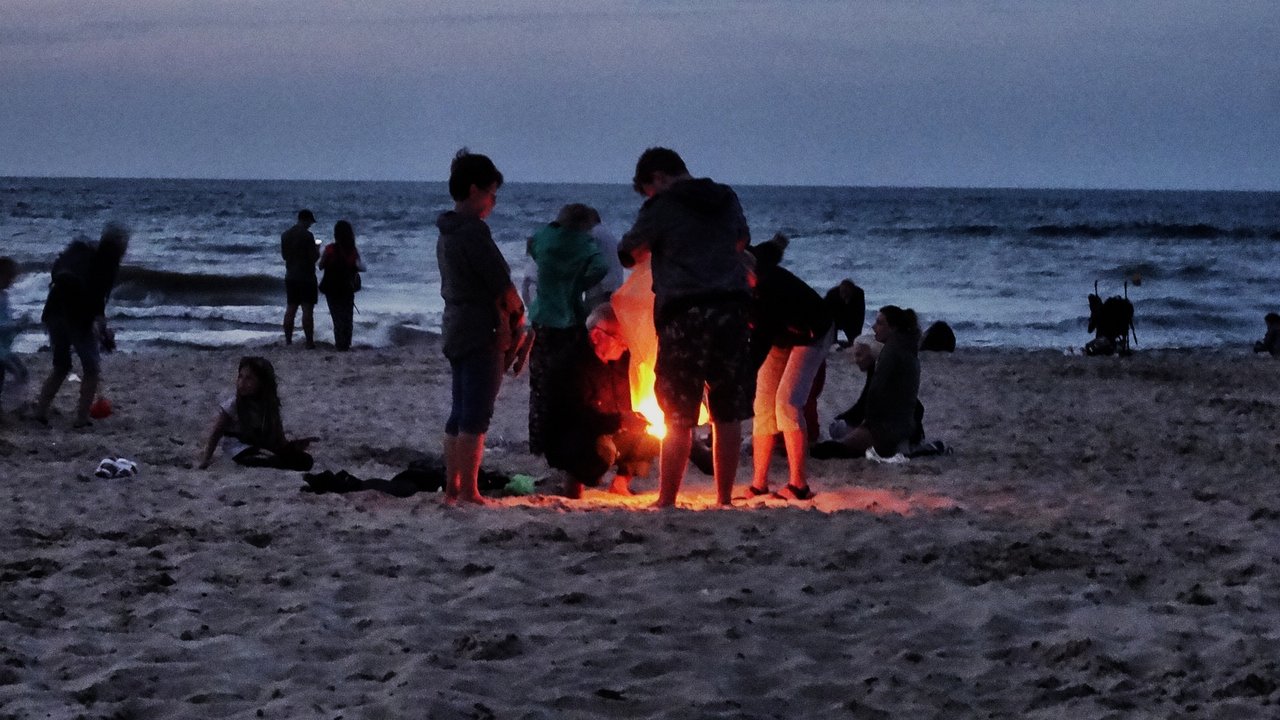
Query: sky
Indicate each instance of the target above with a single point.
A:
(1160, 94)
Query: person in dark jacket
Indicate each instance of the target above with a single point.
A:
(483, 321)
(299, 249)
(694, 232)
(792, 335)
(592, 424)
(75, 316)
(866, 351)
(891, 397)
(342, 266)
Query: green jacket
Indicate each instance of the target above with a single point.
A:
(569, 263)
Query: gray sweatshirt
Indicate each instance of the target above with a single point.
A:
(474, 278)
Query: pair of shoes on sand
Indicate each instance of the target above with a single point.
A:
(116, 468)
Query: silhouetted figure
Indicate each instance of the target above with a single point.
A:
(938, 338)
(300, 251)
(75, 315)
(1271, 342)
(342, 266)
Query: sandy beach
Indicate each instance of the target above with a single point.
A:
(1101, 544)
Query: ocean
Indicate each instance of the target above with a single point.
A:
(1006, 268)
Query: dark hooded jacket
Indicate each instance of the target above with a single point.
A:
(474, 279)
(695, 230)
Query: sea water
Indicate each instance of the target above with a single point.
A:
(1005, 268)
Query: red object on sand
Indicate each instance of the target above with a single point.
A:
(100, 408)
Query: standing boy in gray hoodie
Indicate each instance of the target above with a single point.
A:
(695, 233)
(483, 318)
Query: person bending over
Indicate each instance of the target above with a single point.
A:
(695, 233)
(75, 316)
(792, 335)
(592, 425)
(249, 427)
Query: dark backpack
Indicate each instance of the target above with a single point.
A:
(1112, 322)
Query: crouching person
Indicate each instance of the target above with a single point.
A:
(591, 427)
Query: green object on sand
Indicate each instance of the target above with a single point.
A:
(520, 484)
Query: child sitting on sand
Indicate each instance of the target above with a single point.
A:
(10, 365)
(250, 423)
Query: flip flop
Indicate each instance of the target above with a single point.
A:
(791, 492)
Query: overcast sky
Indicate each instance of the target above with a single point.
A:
(1028, 93)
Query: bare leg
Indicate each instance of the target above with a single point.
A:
(468, 451)
(796, 442)
(726, 446)
(88, 389)
(308, 324)
(671, 463)
(290, 312)
(761, 454)
(620, 485)
(47, 392)
(450, 468)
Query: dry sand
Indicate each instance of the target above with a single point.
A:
(1103, 543)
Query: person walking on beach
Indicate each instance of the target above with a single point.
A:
(342, 266)
(300, 251)
(695, 233)
(75, 316)
(483, 322)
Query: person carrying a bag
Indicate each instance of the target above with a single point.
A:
(342, 266)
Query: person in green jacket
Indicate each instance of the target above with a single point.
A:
(568, 263)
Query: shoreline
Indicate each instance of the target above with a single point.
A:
(1100, 544)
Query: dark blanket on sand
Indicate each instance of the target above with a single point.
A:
(425, 474)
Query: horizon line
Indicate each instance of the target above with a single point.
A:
(1064, 188)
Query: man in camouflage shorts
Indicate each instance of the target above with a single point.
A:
(694, 231)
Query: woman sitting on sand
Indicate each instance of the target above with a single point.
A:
(866, 351)
(250, 423)
(890, 404)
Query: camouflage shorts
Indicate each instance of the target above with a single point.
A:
(706, 348)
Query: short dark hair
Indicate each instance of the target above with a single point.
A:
(1271, 318)
(655, 160)
(305, 215)
(8, 267)
(469, 169)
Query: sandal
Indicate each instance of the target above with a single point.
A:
(755, 492)
(791, 492)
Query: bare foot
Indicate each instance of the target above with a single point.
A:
(620, 486)
(476, 499)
